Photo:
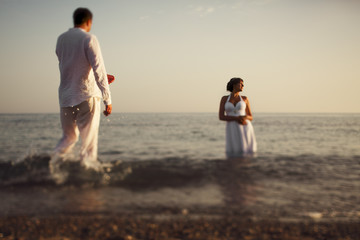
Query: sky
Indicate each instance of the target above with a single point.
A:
(178, 55)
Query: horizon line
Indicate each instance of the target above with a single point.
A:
(261, 112)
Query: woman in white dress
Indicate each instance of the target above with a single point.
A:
(235, 110)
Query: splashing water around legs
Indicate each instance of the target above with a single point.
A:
(56, 173)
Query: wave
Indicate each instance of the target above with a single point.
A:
(34, 170)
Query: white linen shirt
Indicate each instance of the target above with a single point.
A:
(82, 69)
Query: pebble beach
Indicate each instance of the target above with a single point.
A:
(183, 227)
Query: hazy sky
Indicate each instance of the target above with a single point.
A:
(178, 55)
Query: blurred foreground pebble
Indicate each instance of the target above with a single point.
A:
(132, 228)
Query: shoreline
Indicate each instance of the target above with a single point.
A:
(172, 226)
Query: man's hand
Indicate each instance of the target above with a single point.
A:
(108, 109)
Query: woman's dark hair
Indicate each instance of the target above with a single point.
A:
(230, 85)
(81, 15)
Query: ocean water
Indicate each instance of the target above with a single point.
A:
(156, 164)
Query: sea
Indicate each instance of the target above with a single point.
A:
(163, 165)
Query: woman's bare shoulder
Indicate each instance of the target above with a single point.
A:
(224, 98)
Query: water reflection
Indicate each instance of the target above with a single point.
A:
(237, 183)
(84, 200)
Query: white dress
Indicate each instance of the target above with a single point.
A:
(240, 139)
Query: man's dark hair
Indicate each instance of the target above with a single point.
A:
(81, 15)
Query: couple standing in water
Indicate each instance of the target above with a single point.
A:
(84, 81)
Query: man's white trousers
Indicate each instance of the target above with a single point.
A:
(83, 119)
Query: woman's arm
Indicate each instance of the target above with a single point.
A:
(248, 110)
(222, 115)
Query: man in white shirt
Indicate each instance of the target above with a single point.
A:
(83, 83)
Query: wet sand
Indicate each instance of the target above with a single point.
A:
(133, 227)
